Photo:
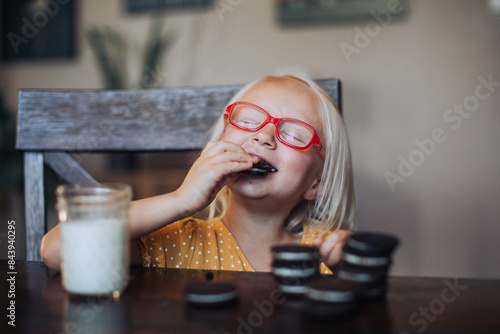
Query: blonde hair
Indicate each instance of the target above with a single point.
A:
(335, 206)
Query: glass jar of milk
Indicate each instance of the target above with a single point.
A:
(95, 252)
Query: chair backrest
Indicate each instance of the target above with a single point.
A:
(53, 123)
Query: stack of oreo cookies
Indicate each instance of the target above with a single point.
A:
(361, 275)
(367, 258)
(294, 266)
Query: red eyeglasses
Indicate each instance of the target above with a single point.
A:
(289, 131)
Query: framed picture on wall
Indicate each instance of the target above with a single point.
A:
(33, 29)
(134, 6)
(311, 12)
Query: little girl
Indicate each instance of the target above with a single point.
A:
(304, 195)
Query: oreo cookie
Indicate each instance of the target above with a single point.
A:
(289, 253)
(361, 274)
(356, 257)
(373, 244)
(261, 168)
(210, 293)
(329, 298)
(293, 266)
(372, 280)
(292, 280)
(366, 259)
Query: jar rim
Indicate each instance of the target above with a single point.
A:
(112, 191)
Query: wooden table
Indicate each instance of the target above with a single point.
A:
(154, 303)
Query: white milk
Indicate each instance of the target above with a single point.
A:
(95, 256)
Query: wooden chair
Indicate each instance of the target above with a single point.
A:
(54, 123)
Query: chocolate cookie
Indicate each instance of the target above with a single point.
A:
(210, 293)
(261, 168)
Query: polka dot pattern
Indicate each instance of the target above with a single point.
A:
(193, 244)
(197, 244)
(311, 233)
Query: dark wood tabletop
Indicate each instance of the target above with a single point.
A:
(34, 300)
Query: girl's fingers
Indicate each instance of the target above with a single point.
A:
(215, 148)
(328, 246)
(331, 248)
(334, 257)
(218, 164)
(317, 242)
(225, 157)
(230, 157)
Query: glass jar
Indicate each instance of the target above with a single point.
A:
(95, 252)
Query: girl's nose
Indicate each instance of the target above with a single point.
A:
(266, 136)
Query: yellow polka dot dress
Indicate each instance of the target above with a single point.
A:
(195, 244)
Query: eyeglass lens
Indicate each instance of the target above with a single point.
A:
(291, 132)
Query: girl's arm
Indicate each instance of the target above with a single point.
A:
(145, 216)
(217, 165)
(50, 249)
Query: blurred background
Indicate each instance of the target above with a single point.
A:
(421, 100)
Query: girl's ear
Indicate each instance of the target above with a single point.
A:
(313, 191)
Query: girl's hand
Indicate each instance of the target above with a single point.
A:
(330, 248)
(219, 163)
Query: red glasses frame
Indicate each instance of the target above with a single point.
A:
(270, 119)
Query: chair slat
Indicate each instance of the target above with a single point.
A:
(122, 120)
(68, 169)
(35, 204)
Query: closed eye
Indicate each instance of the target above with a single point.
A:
(247, 122)
(292, 138)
